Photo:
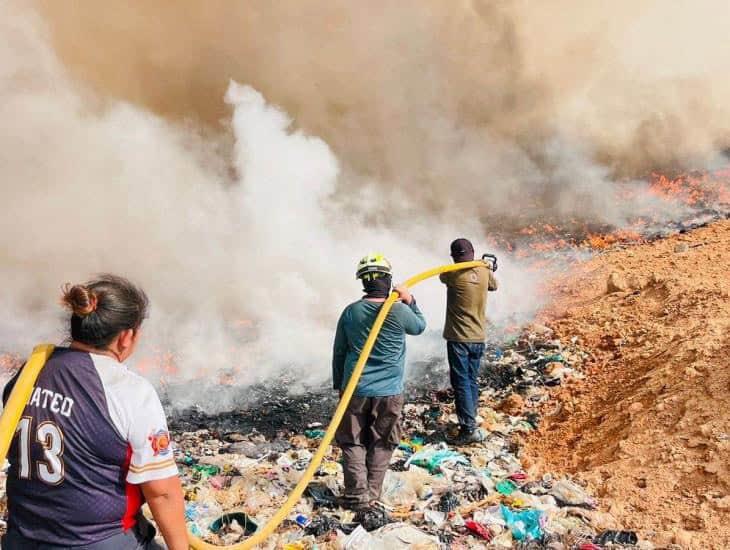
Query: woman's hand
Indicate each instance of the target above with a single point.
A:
(165, 499)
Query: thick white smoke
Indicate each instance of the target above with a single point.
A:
(436, 121)
(469, 106)
(246, 271)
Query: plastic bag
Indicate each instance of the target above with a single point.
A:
(402, 536)
(525, 525)
(432, 459)
(358, 539)
(321, 494)
(568, 493)
(506, 487)
(479, 529)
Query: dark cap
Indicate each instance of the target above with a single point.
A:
(462, 250)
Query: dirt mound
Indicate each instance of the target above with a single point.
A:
(649, 428)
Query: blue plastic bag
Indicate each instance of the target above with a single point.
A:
(525, 524)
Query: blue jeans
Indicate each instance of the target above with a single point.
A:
(464, 362)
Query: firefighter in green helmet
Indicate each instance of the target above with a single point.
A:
(370, 429)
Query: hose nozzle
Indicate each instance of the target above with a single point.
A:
(490, 258)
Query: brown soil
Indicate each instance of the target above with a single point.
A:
(649, 427)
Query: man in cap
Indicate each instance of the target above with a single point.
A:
(370, 429)
(465, 332)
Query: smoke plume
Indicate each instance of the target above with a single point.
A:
(473, 104)
(129, 146)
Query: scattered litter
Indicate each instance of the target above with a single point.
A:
(302, 520)
(234, 521)
(206, 470)
(402, 536)
(506, 487)
(448, 502)
(567, 493)
(321, 525)
(479, 529)
(372, 518)
(434, 457)
(321, 494)
(425, 492)
(359, 539)
(435, 517)
(525, 525)
(627, 538)
(433, 493)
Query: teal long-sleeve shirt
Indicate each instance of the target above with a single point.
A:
(384, 371)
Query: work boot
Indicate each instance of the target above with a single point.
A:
(469, 437)
(350, 503)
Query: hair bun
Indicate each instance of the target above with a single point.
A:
(79, 299)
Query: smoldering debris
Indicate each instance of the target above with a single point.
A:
(270, 409)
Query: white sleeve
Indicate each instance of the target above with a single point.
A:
(136, 413)
(152, 456)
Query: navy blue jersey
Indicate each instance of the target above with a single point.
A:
(92, 431)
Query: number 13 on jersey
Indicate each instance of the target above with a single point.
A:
(49, 435)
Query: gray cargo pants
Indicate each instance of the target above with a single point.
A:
(140, 537)
(367, 435)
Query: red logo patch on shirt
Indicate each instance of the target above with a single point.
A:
(160, 441)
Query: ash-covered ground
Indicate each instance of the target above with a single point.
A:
(273, 410)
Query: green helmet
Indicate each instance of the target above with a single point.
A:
(372, 266)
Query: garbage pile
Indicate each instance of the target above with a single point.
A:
(434, 496)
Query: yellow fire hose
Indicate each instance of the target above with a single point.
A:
(23, 387)
(20, 396)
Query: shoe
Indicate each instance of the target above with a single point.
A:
(469, 438)
(351, 504)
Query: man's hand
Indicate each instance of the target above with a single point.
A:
(404, 294)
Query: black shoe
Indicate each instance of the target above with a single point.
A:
(469, 438)
(351, 504)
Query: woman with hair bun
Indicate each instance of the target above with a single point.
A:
(92, 444)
